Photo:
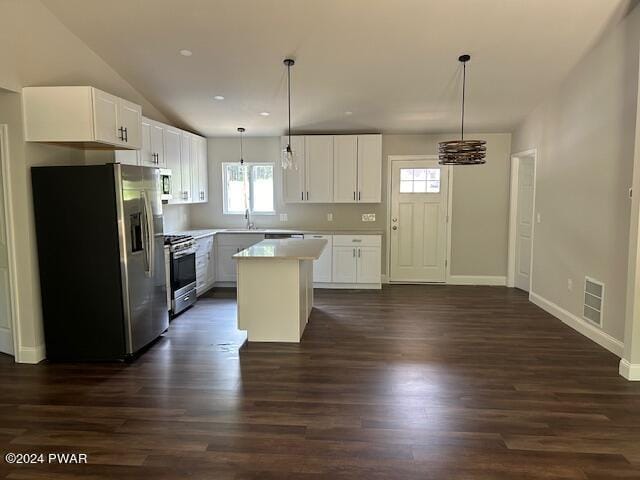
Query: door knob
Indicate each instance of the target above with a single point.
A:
(395, 220)
(395, 227)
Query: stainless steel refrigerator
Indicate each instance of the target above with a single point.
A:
(101, 259)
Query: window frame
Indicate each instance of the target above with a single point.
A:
(249, 168)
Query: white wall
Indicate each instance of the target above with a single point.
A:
(36, 49)
(480, 199)
(584, 134)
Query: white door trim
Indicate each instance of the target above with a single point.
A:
(5, 166)
(390, 160)
(513, 212)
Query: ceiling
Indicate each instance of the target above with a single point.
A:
(392, 63)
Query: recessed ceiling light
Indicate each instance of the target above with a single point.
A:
(186, 53)
(265, 114)
(218, 97)
(348, 113)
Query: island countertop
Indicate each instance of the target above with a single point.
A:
(291, 248)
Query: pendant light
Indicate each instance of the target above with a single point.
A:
(462, 152)
(288, 161)
(241, 131)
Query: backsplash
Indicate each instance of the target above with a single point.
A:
(175, 218)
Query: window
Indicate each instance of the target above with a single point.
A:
(419, 180)
(247, 186)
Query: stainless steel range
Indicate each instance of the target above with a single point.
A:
(182, 262)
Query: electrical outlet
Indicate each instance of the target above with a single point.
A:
(368, 217)
(329, 217)
(284, 217)
(570, 284)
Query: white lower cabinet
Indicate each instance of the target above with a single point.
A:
(368, 265)
(357, 260)
(204, 264)
(322, 267)
(227, 245)
(344, 264)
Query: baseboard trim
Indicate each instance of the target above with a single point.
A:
(328, 285)
(498, 281)
(31, 354)
(630, 371)
(351, 286)
(384, 279)
(590, 331)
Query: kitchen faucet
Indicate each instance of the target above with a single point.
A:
(247, 217)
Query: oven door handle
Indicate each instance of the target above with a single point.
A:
(149, 234)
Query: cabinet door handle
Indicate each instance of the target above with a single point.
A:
(307, 195)
(359, 196)
(354, 195)
(358, 253)
(302, 195)
(126, 134)
(354, 253)
(121, 137)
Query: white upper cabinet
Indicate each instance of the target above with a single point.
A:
(369, 168)
(85, 116)
(130, 118)
(335, 169)
(155, 154)
(204, 159)
(172, 157)
(345, 168)
(106, 118)
(294, 180)
(319, 168)
(199, 170)
(186, 161)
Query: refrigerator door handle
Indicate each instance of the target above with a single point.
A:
(149, 234)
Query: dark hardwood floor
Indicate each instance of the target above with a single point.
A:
(414, 382)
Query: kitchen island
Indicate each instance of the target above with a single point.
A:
(275, 288)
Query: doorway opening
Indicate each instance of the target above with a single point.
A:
(418, 220)
(521, 219)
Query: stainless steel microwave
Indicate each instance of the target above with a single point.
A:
(165, 184)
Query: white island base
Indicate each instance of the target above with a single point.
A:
(275, 288)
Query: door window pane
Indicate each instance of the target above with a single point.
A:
(420, 186)
(433, 174)
(406, 186)
(406, 174)
(420, 174)
(419, 180)
(433, 186)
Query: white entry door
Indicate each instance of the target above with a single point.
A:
(6, 338)
(524, 228)
(418, 221)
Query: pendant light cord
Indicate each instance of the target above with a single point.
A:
(464, 85)
(289, 99)
(241, 149)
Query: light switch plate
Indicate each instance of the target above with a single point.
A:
(329, 217)
(368, 217)
(284, 217)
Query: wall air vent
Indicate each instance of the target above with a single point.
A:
(593, 300)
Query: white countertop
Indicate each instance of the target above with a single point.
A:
(205, 232)
(290, 248)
